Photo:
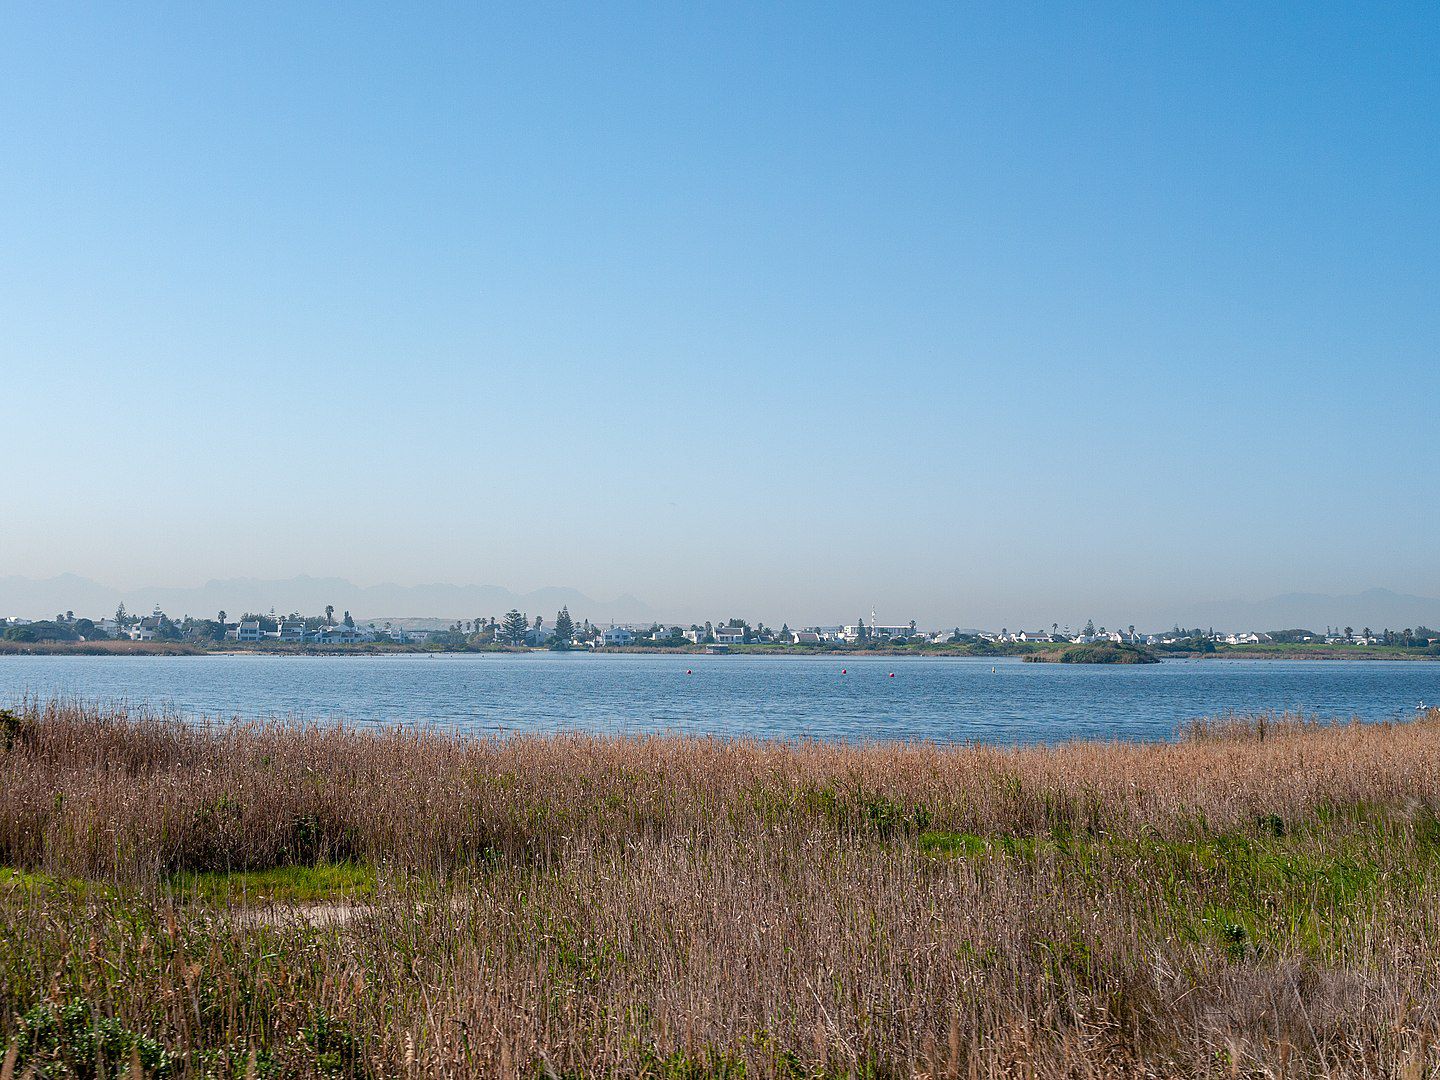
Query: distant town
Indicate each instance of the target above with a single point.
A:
(518, 630)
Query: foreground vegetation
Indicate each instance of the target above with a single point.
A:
(1257, 899)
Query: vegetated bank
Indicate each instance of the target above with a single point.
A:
(1096, 653)
(1259, 898)
(1039, 651)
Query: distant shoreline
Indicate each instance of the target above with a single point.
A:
(957, 652)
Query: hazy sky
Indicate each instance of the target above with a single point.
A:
(969, 314)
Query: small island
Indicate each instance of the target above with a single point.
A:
(1100, 652)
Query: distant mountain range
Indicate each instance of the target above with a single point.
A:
(420, 604)
(46, 597)
(1375, 608)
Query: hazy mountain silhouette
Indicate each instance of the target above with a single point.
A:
(1375, 608)
(309, 595)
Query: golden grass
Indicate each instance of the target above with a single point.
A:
(1254, 899)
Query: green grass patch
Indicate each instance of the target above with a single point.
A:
(964, 845)
(24, 880)
(284, 884)
(14, 880)
(1249, 892)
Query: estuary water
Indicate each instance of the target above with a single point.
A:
(831, 698)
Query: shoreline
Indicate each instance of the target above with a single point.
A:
(1393, 654)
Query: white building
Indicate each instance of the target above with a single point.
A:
(342, 635)
(246, 630)
(617, 635)
(292, 630)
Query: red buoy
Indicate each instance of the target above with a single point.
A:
(892, 674)
(844, 672)
(688, 671)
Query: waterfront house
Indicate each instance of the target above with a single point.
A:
(292, 630)
(245, 630)
(341, 635)
(617, 635)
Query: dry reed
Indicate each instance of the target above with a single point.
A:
(1256, 898)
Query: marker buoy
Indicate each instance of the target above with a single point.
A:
(689, 672)
(844, 672)
(892, 674)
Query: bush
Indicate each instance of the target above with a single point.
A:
(70, 1040)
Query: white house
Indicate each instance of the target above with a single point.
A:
(290, 630)
(342, 635)
(617, 635)
(245, 630)
(729, 635)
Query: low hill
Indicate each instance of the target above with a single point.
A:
(1098, 653)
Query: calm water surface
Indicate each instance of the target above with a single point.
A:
(788, 697)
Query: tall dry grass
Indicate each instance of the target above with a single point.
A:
(1254, 899)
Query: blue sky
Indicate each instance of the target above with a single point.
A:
(969, 314)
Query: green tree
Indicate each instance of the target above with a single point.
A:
(329, 614)
(514, 627)
(564, 624)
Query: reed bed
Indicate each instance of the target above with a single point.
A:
(1256, 898)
